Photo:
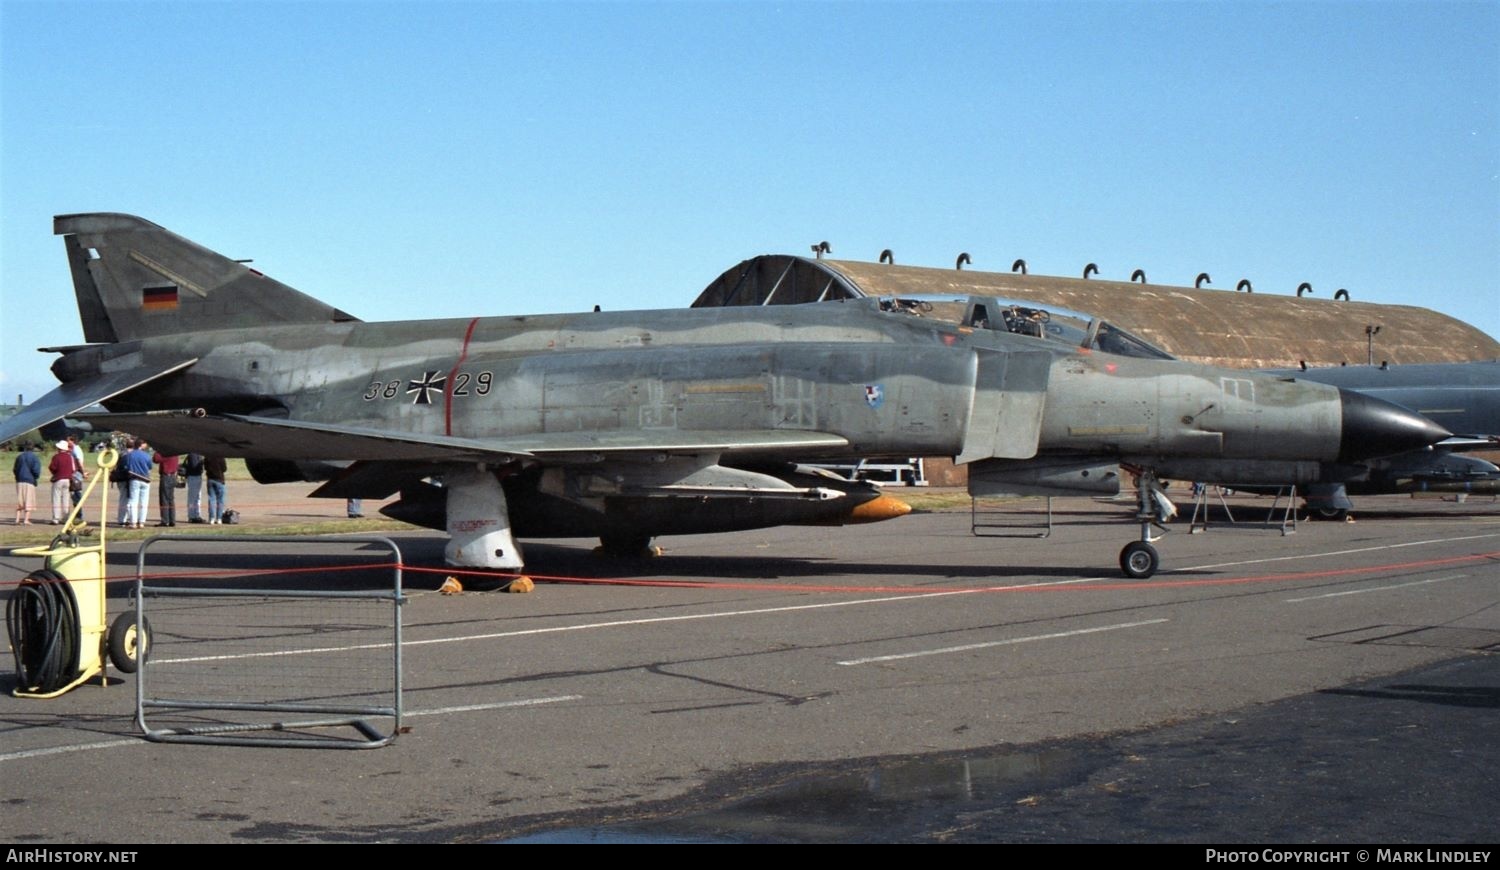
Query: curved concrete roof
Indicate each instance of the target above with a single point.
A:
(1221, 327)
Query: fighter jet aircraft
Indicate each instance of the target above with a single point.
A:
(1463, 397)
(628, 425)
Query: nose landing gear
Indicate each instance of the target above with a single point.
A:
(1139, 559)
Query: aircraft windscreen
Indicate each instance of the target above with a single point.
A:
(1109, 338)
(1064, 326)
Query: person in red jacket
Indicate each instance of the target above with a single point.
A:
(166, 492)
(62, 467)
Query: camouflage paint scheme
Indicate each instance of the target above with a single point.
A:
(633, 424)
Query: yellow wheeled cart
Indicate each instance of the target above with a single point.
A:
(57, 618)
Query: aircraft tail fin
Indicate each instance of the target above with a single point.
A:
(135, 280)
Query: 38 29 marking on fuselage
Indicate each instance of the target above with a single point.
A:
(422, 388)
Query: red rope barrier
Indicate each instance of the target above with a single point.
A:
(1063, 586)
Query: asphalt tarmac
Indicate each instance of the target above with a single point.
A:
(905, 681)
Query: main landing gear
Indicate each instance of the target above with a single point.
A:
(1139, 559)
(479, 522)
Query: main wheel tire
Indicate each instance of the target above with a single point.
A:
(127, 648)
(1337, 515)
(1139, 560)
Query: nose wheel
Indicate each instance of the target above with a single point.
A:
(1139, 560)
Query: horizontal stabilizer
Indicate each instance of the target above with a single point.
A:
(77, 395)
(374, 480)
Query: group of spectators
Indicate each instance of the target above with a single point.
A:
(132, 475)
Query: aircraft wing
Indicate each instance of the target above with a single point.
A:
(276, 438)
(80, 394)
(593, 446)
(382, 478)
(272, 438)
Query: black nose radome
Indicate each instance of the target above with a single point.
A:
(1374, 427)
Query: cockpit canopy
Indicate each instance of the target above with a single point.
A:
(1022, 318)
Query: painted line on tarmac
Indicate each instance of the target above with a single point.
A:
(993, 643)
(1348, 552)
(278, 653)
(75, 747)
(616, 623)
(498, 705)
(1377, 588)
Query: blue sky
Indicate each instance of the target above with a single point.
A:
(404, 160)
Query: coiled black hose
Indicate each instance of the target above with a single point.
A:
(42, 618)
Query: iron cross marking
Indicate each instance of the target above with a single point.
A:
(431, 382)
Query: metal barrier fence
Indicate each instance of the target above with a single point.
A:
(272, 655)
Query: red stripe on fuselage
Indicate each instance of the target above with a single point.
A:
(453, 373)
